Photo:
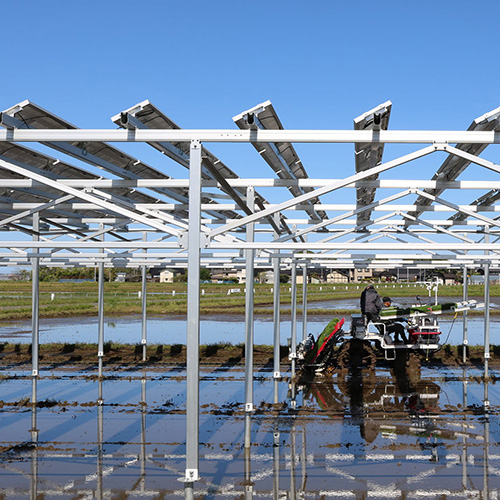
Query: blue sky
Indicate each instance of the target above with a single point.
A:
(321, 63)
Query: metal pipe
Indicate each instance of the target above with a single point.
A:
(144, 306)
(100, 310)
(35, 300)
(304, 301)
(294, 315)
(465, 297)
(193, 317)
(276, 317)
(486, 310)
(249, 324)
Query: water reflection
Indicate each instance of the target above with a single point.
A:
(399, 434)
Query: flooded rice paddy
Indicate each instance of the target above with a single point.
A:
(226, 329)
(429, 434)
(385, 435)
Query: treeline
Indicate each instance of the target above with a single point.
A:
(48, 274)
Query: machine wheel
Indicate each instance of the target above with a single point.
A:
(354, 355)
(413, 366)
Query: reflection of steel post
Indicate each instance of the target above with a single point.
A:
(465, 297)
(248, 425)
(304, 458)
(249, 304)
(276, 466)
(248, 473)
(143, 432)
(100, 308)
(486, 310)
(276, 311)
(294, 315)
(34, 442)
(35, 298)
(100, 440)
(144, 305)
(193, 317)
(292, 464)
(464, 446)
(304, 301)
(486, 488)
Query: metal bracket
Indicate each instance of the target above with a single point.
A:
(183, 239)
(440, 146)
(191, 476)
(248, 407)
(277, 375)
(204, 240)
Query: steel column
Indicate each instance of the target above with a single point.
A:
(100, 310)
(193, 317)
(35, 300)
(304, 301)
(276, 317)
(465, 297)
(144, 306)
(486, 312)
(249, 325)
(293, 298)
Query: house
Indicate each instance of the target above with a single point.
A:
(338, 276)
(168, 275)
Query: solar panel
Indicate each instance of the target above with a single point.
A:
(281, 157)
(146, 115)
(28, 115)
(55, 169)
(453, 166)
(369, 155)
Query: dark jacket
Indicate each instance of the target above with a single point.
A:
(371, 303)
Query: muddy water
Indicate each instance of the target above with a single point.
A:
(420, 435)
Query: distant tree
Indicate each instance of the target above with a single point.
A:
(284, 278)
(205, 275)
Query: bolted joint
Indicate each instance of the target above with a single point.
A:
(440, 146)
(183, 239)
(192, 475)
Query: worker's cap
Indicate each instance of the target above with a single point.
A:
(386, 299)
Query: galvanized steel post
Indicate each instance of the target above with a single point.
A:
(486, 311)
(193, 316)
(100, 309)
(249, 326)
(35, 299)
(144, 305)
(465, 297)
(293, 298)
(276, 315)
(304, 301)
